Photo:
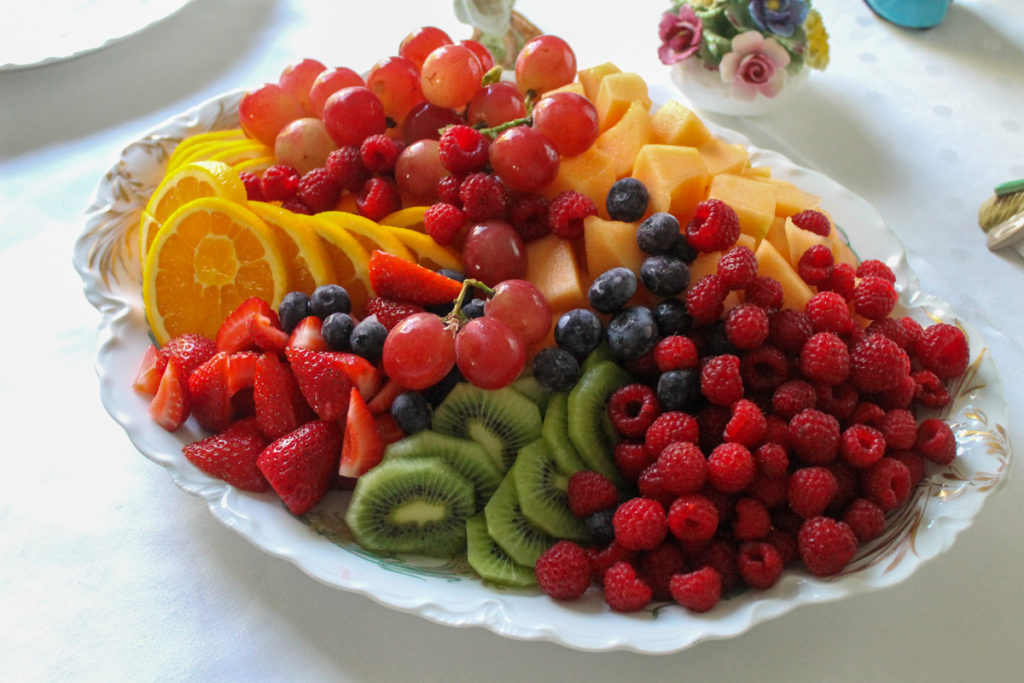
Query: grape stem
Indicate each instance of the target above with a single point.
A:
(495, 131)
(456, 317)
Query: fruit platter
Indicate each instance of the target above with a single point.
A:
(528, 351)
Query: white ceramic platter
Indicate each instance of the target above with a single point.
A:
(448, 592)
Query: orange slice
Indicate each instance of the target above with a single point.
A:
(305, 256)
(349, 258)
(369, 234)
(411, 217)
(426, 251)
(208, 257)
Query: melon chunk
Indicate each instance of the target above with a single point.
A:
(675, 177)
(574, 87)
(623, 141)
(799, 240)
(552, 267)
(789, 199)
(591, 77)
(609, 244)
(676, 124)
(722, 157)
(752, 200)
(770, 263)
(591, 173)
(777, 235)
(841, 251)
(617, 92)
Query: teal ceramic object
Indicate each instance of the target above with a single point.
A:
(911, 13)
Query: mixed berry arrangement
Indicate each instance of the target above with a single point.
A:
(656, 370)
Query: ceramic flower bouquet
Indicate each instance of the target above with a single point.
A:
(741, 56)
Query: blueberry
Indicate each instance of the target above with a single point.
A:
(367, 339)
(329, 299)
(337, 331)
(664, 274)
(556, 369)
(412, 412)
(658, 233)
(294, 307)
(440, 310)
(612, 289)
(716, 341)
(683, 250)
(473, 309)
(453, 274)
(579, 331)
(627, 200)
(632, 332)
(439, 391)
(672, 317)
(600, 526)
(679, 390)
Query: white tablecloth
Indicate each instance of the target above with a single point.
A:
(109, 571)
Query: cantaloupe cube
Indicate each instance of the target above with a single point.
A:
(753, 201)
(574, 87)
(841, 251)
(623, 141)
(552, 267)
(675, 177)
(723, 157)
(591, 173)
(676, 124)
(777, 235)
(616, 94)
(770, 263)
(789, 199)
(591, 77)
(799, 240)
(758, 172)
(610, 244)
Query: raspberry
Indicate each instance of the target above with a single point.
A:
(668, 428)
(789, 330)
(866, 519)
(777, 431)
(751, 520)
(675, 352)
(448, 190)
(839, 402)
(760, 564)
(345, 165)
(658, 566)
(914, 332)
(898, 428)
(943, 349)
(643, 367)
(929, 390)
(935, 441)
(296, 205)
(842, 282)
(721, 556)
(640, 524)
(379, 153)
(279, 182)
(529, 216)
(602, 559)
(899, 396)
(892, 329)
(483, 196)
(813, 221)
(876, 268)
(566, 213)
(815, 265)
(847, 486)
(623, 590)
(771, 459)
(829, 312)
(874, 297)
(318, 190)
(737, 267)
(866, 413)
(378, 198)
(714, 226)
(814, 436)
(765, 292)
(682, 468)
(698, 591)
(764, 369)
(825, 359)
(877, 363)
(769, 491)
(731, 468)
(811, 489)
(590, 492)
(463, 150)
(720, 380)
(631, 457)
(705, 299)
(792, 397)
(633, 409)
(886, 483)
(693, 518)
(649, 485)
(747, 424)
(563, 571)
(785, 543)
(826, 545)
(913, 461)
(746, 326)
(861, 446)
(712, 420)
(253, 189)
(442, 221)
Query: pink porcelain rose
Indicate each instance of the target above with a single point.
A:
(755, 65)
(680, 35)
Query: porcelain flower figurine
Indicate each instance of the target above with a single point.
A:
(755, 65)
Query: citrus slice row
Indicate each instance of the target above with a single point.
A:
(369, 234)
(305, 257)
(347, 255)
(190, 143)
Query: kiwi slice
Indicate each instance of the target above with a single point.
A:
(555, 431)
(544, 493)
(502, 421)
(491, 562)
(468, 458)
(416, 505)
(598, 355)
(529, 387)
(509, 527)
(590, 429)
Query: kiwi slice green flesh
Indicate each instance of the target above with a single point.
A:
(555, 431)
(529, 387)
(491, 562)
(417, 505)
(520, 538)
(598, 355)
(502, 421)
(544, 493)
(468, 458)
(590, 429)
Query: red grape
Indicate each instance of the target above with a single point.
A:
(329, 82)
(524, 159)
(298, 78)
(353, 114)
(418, 171)
(396, 83)
(419, 351)
(521, 306)
(303, 144)
(481, 52)
(450, 76)
(544, 63)
(420, 43)
(568, 120)
(263, 112)
(425, 121)
(489, 353)
(493, 251)
(495, 104)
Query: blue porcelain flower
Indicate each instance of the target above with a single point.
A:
(780, 17)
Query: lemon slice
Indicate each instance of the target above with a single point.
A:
(426, 251)
(188, 145)
(349, 258)
(208, 257)
(237, 152)
(369, 234)
(257, 165)
(411, 217)
(305, 256)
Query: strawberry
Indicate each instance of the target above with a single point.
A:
(392, 277)
(382, 399)
(280, 407)
(231, 455)
(239, 370)
(323, 381)
(191, 350)
(362, 445)
(361, 372)
(236, 332)
(302, 464)
(388, 428)
(151, 369)
(307, 334)
(171, 404)
(208, 392)
(388, 311)
(267, 334)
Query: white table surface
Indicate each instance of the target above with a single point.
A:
(109, 571)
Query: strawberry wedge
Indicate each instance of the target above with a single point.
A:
(392, 277)
(362, 446)
(302, 464)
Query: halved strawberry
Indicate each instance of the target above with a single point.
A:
(302, 464)
(231, 455)
(236, 332)
(280, 407)
(267, 334)
(362, 445)
(171, 405)
(392, 277)
(208, 391)
(388, 428)
(191, 350)
(388, 311)
(323, 381)
(307, 335)
(361, 372)
(382, 400)
(151, 369)
(240, 370)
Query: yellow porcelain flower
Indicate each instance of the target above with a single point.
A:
(816, 54)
